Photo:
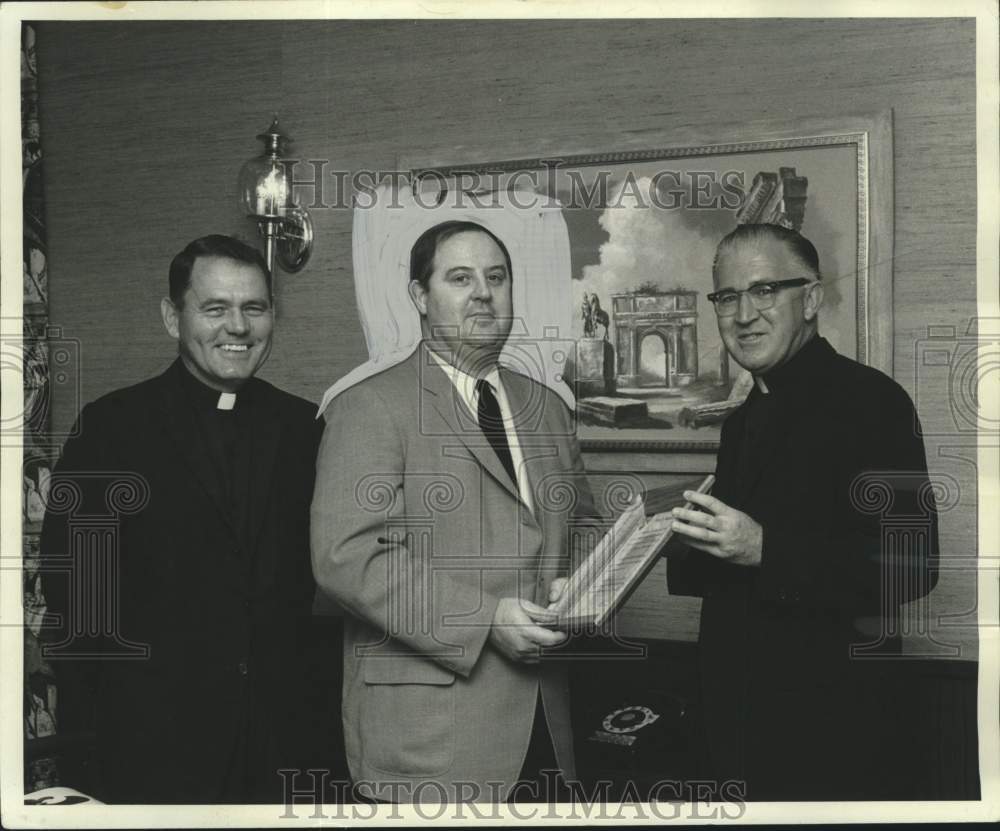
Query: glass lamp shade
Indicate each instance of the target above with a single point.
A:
(265, 193)
(265, 187)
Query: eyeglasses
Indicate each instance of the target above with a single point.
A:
(762, 295)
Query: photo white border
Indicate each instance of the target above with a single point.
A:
(16, 815)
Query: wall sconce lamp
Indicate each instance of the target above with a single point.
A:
(265, 187)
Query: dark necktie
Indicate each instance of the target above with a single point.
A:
(491, 423)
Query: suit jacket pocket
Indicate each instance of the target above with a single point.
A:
(405, 669)
(408, 722)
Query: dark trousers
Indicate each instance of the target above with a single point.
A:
(541, 779)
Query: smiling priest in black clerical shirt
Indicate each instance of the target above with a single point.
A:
(803, 694)
(178, 641)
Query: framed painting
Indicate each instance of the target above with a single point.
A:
(651, 373)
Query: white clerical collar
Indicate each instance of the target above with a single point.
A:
(227, 401)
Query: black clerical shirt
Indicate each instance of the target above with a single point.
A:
(225, 436)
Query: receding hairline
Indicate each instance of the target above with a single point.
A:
(195, 270)
(204, 258)
(757, 237)
(212, 245)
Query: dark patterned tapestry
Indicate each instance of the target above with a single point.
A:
(39, 685)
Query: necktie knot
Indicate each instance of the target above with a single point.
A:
(488, 410)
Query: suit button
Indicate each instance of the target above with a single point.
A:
(243, 668)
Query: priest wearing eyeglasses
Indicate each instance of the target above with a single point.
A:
(802, 696)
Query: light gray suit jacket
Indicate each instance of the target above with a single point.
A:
(418, 532)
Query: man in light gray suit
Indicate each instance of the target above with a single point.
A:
(446, 490)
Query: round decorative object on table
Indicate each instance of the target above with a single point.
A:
(629, 719)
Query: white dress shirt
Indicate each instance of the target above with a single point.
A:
(465, 385)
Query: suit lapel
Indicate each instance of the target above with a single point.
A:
(796, 385)
(177, 416)
(772, 447)
(538, 435)
(538, 449)
(440, 396)
(265, 437)
(727, 487)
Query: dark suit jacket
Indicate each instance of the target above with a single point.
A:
(839, 479)
(220, 611)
